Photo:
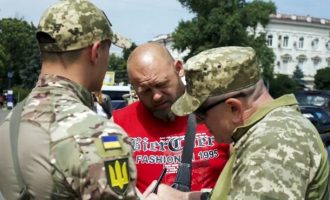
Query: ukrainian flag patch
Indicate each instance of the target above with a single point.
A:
(110, 142)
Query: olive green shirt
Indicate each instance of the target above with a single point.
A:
(278, 154)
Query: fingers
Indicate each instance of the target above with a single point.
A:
(149, 189)
(152, 196)
(167, 192)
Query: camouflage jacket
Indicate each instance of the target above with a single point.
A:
(278, 154)
(66, 151)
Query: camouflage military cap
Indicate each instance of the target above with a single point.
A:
(75, 24)
(216, 72)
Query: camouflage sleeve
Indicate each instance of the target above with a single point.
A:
(94, 166)
(271, 168)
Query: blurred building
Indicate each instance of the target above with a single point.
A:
(301, 41)
(297, 41)
(166, 39)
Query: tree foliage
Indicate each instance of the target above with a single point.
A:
(226, 23)
(4, 59)
(30, 72)
(281, 85)
(118, 65)
(18, 51)
(322, 79)
(298, 76)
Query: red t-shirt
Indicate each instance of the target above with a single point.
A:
(158, 144)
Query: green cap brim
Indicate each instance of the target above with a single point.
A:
(120, 41)
(187, 104)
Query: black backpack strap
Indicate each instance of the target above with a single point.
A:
(14, 133)
(183, 177)
(106, 109)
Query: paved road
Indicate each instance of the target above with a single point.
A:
(3, 114)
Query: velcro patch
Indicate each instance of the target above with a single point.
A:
(117, 174)
(110, 142)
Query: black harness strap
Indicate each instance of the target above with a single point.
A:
(183, 177)
(14, 133)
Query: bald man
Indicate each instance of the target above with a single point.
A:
(155, 132)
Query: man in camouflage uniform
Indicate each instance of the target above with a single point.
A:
(277, 153)
(65, 150)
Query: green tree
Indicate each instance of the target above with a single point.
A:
(281, 85)
(322, 79)
(118, 64)
(4, 58)
(226, 23)
(17, 37)
(128, 51)
(30, 72)
(298, 76)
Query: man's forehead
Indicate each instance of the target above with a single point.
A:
(150, 80)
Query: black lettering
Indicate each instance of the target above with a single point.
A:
(145, 144)
(175, 144)
(153, 146)
(136, 143)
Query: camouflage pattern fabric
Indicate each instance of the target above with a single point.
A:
(279, 155)
(215, 72)
(75, 24)
(62, 150)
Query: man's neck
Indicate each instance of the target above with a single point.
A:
(263, 99)
(73, 72)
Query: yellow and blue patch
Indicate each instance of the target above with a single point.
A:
(110, 142)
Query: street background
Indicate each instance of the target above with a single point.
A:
(3, 114)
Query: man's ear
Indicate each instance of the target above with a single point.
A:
(237, 110)
(95, 52)
(179, 67)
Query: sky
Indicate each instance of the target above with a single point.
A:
(142, 20)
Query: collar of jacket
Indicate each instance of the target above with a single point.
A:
(61, 82)
(285, 100)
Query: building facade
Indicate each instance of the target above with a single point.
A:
(297, 41)
(167, 41)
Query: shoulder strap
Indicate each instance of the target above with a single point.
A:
(189, 139)
(183, 177)
(106, 109)
(14, 132)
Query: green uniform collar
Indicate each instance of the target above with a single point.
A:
(285, 100)
(82, 93)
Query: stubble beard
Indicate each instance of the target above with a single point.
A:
(165, 115)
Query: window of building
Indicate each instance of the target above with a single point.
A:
(270, 40)
(327, 45)
(315, 44)
(279, 43)
(286, 58)
(285, 41)
(301, 43)
(285, 66)
(328, 62)
(316, 60)
(301, 61)
(316, 63)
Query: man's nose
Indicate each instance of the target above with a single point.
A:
(157, 95)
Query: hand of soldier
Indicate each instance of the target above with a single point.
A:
(167, 192)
